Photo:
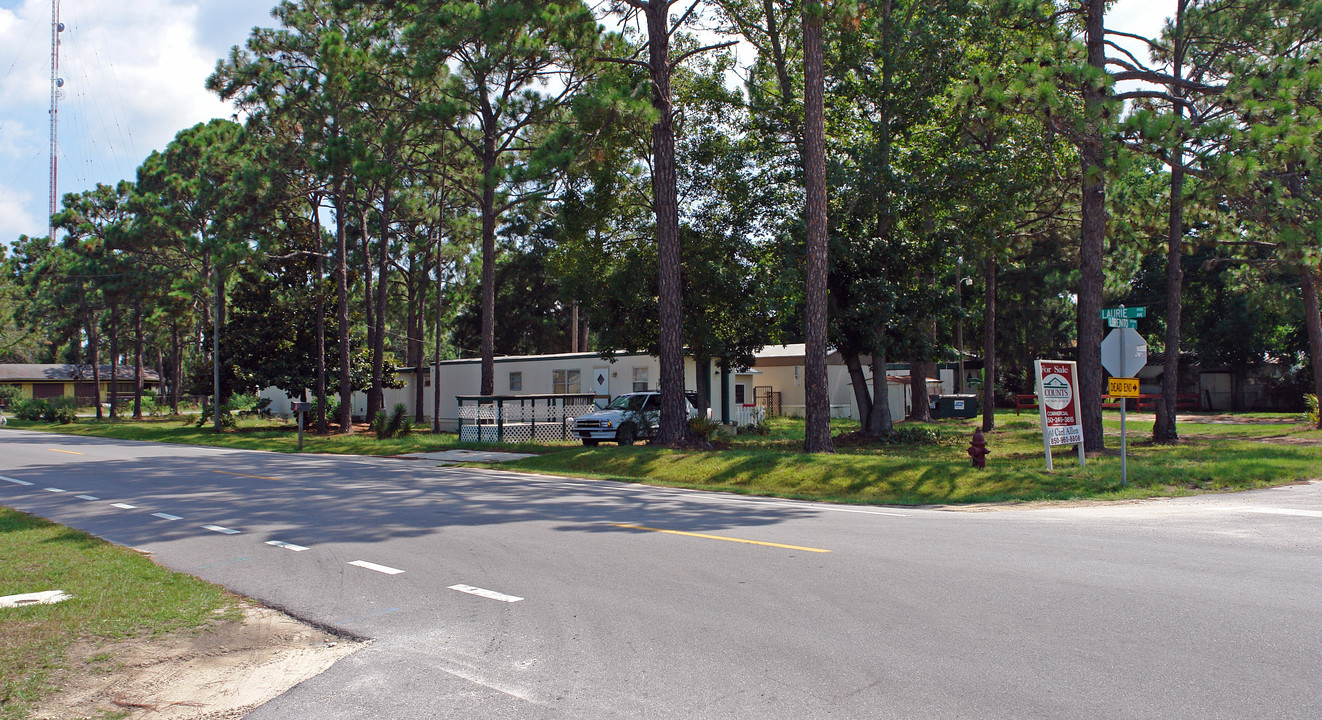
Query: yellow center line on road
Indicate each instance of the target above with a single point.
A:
(259, 477)
(727, 539)
(67, 452)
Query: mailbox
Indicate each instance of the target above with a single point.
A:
(300, 407)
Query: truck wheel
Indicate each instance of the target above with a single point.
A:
(590, 442)
(625, 435)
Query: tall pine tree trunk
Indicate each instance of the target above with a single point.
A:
(137, 359)
(93, 357)
(1308, 278)
(376, 401)
(342, 296)
(114, 363)
(435, 368)
(817, 410)
(1093, 234)
(1164, 429)
(880, 420)
(417, 330)
(674, 422)
(488, 211)
(989, 343)
(859, 382)
(176, 369)
(369, 303)
(321, 318)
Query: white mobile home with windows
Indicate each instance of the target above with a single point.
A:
(775, 383)
(572, 373)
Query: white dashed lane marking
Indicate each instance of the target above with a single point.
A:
(166, 516)
(219, 529)
(87, 497)
(285, 545)
(1283, 511)
(16, 482)
(490, 594)
(377, 568)
(55, 490)
(124, 506)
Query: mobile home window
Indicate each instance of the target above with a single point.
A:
(516, 381)
(739, 394)
(565, 382)
(640, 379)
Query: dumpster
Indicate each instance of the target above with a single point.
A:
(956, 406)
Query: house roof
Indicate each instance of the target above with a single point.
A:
(13, 373)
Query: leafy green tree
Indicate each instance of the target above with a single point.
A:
(204, 205)
(516, 65)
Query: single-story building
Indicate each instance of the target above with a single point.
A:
(73, 380)
(774, 384)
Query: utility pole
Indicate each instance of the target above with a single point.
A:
(56, 82)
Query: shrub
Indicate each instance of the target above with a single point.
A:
(758, 428)
(1311, 414)
(226, 418)
(395, 424)
(29, 409)
(704, 428)
(260, 407)
(332, 409)
(10, 394)
(381, 424)
(61, 410)
(151, 405)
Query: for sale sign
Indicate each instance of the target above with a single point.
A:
(1058, 396)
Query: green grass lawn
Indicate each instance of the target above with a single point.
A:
(116, 594)
(1211, 457)
(1216, 453)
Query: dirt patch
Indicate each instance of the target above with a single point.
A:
(224, 672)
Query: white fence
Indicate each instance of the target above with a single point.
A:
(520, 418)
(749, 415)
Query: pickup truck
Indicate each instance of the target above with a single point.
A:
(627, 418)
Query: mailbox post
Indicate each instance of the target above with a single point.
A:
(300, 408)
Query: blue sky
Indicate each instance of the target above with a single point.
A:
(134, 74)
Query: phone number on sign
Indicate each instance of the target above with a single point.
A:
(1072, 435)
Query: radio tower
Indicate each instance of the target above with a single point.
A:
(56, 82)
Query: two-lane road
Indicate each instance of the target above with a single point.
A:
(498, 594)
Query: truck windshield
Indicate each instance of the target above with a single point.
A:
(628, 402)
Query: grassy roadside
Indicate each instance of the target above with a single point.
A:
(1216, 453)
(116, 594)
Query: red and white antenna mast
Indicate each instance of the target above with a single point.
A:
(56, 82)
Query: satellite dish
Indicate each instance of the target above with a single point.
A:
(59, 27)
(59, 82)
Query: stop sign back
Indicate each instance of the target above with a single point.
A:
(1124, 352)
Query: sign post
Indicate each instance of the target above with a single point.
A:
(1124, 353)
(1058, 405)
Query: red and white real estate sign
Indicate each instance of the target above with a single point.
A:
(1058, 398)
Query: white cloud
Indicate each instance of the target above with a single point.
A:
(15, 216)
(134, 74)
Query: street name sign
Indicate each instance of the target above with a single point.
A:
(1124, 312)
(1121, 322)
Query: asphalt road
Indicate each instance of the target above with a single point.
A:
(501, 595)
